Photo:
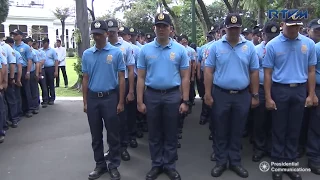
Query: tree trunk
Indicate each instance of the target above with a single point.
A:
(174, 17)
(205, 15)
(63, 26)
(261, 15)
(203, 24)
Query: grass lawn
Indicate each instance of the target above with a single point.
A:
(72, 78)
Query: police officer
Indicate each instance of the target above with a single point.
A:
(26, 53)
(127, 51)
(247, 33)
(289, 69)
(163, 67)
(103, 71)
(261, 116)
(149, 37)
(51, 66)
(313, 133)
(256, 36)
(234, 64)
(10, 94)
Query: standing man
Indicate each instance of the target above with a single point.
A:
(26, 53)
(127, 52)
(232, 67)
(103, 98)
(262, 116)
(51, 69)
(61, 51)
(289, 69)
(163, 67)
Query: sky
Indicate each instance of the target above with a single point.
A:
(101, 7)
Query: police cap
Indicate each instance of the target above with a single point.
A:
(163, 18)
(314, 24)
(233, 20)
(246, 30)
(112, 24)
(8, 40)
(149, 35)
(45, 40)
(16, 32)
(98, 27)
(292, 20)
(271, 28)
(124, 30)
(133, 31)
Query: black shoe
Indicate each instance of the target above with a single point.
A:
(178, 145)
(154, 173)
(106, 156)
(98, 172)
(35, 111)
(44, 105)
(213, 157)
(314, 169)
(240, 171)
(145, 129)
(172, 174)
(180, 131)
(14, 125)
(179, 136)
(202, 121)
(257, 156)
(294, 175)
(1, 139)
(125, 156)
(28, 114)
(139, 134)
(218, 170)
(133, 143)
(276, 175)
(51, 103)
(114, 174)
(210, 137)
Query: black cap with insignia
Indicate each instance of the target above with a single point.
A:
(163, 18)
(314, 24)
(112, 24)
(16, 32)
(271, 28)
(246, 30)
(292, 20)
(233, 20)
(123, 30)
(45, 40)
(133, 31)
(8, 40)
(98, 27)
(149, 36)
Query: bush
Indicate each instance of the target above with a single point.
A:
(70, 54)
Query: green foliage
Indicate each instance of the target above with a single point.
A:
(78, 66)
(77, 36)
(70, 54)
(4, 10)
(62, 13)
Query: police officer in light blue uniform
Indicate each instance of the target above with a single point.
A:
(103, 97)
(163, 67)
(26, 54)
(261, 116)
(313, 131)
(10, 94)
(51, 69)
(127, 51)
(232, 67)
(289, 69)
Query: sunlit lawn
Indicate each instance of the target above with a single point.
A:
(72, 78)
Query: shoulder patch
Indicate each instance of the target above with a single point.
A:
(13, 54)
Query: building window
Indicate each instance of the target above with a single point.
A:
(39, 32)
(2, 34)
(57, 34)
(22, 28)
(67, 39)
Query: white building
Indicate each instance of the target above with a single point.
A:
(36, 21)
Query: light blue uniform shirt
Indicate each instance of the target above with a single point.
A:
(102, 67)
(191, 53)
(138, 44)
(0, 65)
(232, 64)
(163, 64)
(19, 60)
(127, 52)
(41, 56)
(3, 56)
(199, 58)
(51, 57)
(136, 52)
(290, 59)
(205, 53)
(25, 52)
(34, 59)
(8, 53)
(318, 63)
(261, 51)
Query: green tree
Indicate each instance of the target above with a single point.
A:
(4, 10)
(62, 14)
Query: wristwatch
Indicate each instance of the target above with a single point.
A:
(255, 96)
(186, 102)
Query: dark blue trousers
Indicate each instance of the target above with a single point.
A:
(261, 125)
(163, 116)
(230, 111)
(102, 111)
(34, 91)
(26, 96)
(49, 74)
(44, 87)
(2, 114)
(287, 120)
(313, 145)
(12, 102)
(132, 115)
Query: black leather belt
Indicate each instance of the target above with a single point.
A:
(163, 91)
(101, 94)
(289, 85)
(231, 91)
